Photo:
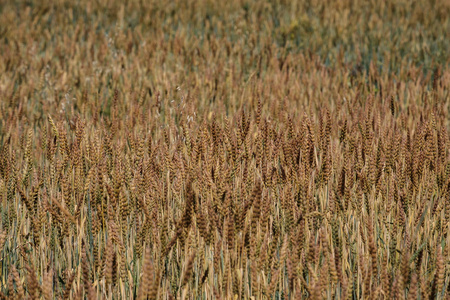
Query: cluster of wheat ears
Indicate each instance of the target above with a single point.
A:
(203, 150)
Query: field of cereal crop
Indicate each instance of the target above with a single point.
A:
(234, 149)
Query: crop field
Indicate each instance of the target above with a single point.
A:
(241, 149)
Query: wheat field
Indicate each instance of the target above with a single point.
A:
(224, 150)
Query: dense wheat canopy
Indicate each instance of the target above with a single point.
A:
(224, 149)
